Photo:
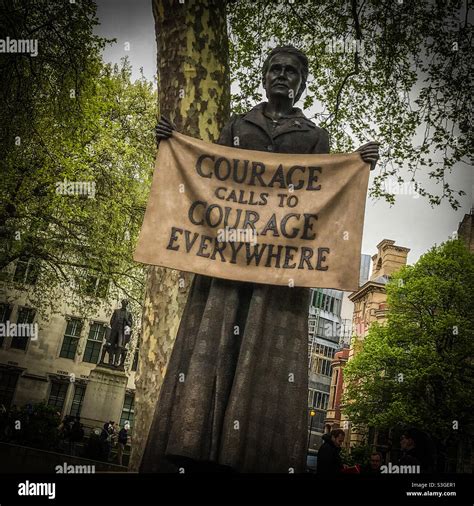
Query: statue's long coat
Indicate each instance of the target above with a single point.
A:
(235, 391)
(120, 319)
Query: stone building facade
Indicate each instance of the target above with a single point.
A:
(58, 365)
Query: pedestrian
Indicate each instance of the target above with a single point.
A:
(329, 459)
(112, 429)
(65, 433)
(416, 451)
(374, 465)
(76, 435)
(122, 442)
(106, 438)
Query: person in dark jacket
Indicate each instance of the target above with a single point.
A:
(106, 437)
(415, 450)
(122, 442)
(374, 465)
(329, 458)
(76, 435)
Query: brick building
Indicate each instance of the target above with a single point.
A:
(370, 305)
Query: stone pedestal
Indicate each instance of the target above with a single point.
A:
(105, 393)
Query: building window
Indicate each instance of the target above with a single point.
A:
(5, 310)
(325, 302)
(323, 351)
(329, 352)
(26, 315)
(320, 400)
(323, 367)
(328, 330)
(57, 394)
(334, 388)
(322, 301)
(94, 343)
(310, 398)
(327, 368)
(8, 381)
(128, 410)
(26, 271)
(71, 338)
(311, 325)
(79, 392)
(318, 299)
(95, 286)
(335, 306)
(324, 325)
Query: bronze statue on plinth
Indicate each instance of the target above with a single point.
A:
(117, 337)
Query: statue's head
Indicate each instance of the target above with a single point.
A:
(124, 303)
(284, 72)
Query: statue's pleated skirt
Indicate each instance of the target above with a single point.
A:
(236, 387)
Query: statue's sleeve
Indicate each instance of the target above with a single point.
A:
(322, 145)
(226, 138)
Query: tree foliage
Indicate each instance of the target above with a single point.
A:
(69, 118)
(31, 425)
(408, 85)
(417, 369)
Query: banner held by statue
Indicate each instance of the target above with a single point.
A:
(279, 219)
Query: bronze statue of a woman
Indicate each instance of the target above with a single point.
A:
(235, 392)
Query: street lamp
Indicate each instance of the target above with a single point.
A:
(312, 413)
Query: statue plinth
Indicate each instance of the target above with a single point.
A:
(105, 393)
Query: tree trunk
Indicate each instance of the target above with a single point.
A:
(194, 92)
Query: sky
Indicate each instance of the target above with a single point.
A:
(411, 222)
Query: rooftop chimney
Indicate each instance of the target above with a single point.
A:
(389, 259)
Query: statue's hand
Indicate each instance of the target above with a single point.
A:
(164, 129)
(370, 153)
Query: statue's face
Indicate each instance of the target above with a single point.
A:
(283, 77)
(124, 304)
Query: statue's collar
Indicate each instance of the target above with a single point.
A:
(259, 110)
(257, 117)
